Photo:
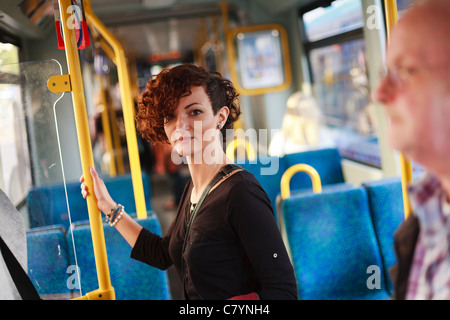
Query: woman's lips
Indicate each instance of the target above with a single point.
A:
(183, 139)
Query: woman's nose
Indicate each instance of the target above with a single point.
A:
(182, 122)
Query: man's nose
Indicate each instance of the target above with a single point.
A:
(384, 92)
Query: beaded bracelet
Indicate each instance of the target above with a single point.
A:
(115, 214)
(112, 224)
(110, 213)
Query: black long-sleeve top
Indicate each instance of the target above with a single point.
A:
(234, 246)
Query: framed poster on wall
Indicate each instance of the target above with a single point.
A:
(259, 58)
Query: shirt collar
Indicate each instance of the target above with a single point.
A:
(427, 195)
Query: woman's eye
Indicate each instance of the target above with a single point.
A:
(195, 112)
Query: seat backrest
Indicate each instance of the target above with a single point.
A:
(48, 261)
(327, 163)
(47, 204)
(333, 245)
(268, 171)
(131, 279)
(386, 208)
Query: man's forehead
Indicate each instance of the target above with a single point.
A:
(415, 41)
(403, 47)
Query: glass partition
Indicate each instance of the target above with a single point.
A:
(33, 174)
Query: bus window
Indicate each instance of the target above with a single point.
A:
(335, 47)
(15, 177)
(340, 17)
(403, 5)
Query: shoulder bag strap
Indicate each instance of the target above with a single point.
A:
(23, 283)
(223, 173)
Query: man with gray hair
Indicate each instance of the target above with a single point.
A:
(416, 96)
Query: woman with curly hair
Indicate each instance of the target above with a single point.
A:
(224, 241)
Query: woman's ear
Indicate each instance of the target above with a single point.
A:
(222, 116)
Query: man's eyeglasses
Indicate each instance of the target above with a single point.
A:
(402, 75)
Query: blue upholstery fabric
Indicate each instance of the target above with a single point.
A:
(386, 207)
(131, 279)
(326, 188)
(48, 259)
(47, 204)
(268, 171)
(332, 242)
(327, 163)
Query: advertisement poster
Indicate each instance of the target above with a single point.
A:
(260, 59)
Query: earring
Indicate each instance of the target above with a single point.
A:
(219, 126)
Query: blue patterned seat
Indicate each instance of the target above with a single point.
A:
(47, 204)
(333, 245)
(131, 279)
(48, 260)
(327, 163)
(268, 171)
(386, 207)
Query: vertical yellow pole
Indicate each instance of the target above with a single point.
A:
(228, 39)
(105, 291)
(127, 106)
(405, 164)
(106, 127)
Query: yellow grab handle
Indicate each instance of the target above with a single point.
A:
(301, 167)
(232, 146)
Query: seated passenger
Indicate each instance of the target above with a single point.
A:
(13, 238)
(416, 95)
(302, 128)
(234, 247)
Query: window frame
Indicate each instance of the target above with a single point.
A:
(344, 37)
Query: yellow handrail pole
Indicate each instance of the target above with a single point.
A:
(301, 167)
(233, 145)
(108, 50)
(105, 291)
(228, 41)
(405, 163)
(127, 106)
(106, 127)
(116, 141)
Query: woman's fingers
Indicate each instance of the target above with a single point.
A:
(104, 200)
(94, 174)
(84, 191)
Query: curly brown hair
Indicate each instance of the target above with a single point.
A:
(163, 92)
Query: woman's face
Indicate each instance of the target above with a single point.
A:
(194, 126)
